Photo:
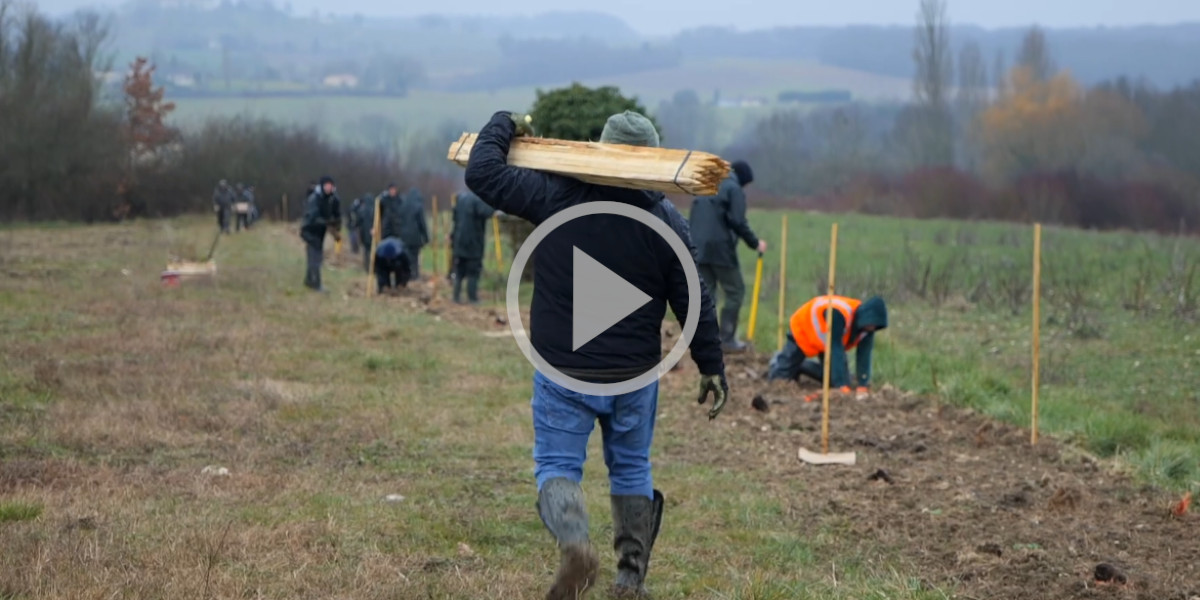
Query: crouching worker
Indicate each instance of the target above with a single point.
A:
(391, 265)
(804, 350)
(563, 418)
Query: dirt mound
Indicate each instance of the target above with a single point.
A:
(969, 501)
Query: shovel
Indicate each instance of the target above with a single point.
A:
(825, 458)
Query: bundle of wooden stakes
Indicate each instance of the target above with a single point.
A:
(635, 167)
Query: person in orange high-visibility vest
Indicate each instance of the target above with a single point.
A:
(804, 349)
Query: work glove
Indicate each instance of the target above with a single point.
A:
(337, 234)
(524, 123)
(720, 391)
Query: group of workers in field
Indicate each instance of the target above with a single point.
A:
(234, 204)
(564, 417)
(402, 233)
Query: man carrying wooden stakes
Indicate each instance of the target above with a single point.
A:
(467, 239)
(717, 223)
(563, 419)
(804, 347)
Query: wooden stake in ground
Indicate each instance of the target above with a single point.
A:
(754, 302)
(496, 240)
(825, 458)
(782, 279)
(436, 243)
(1037, 323)
(450, 232)
(374, 247)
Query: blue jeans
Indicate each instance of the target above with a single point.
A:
(563, 422)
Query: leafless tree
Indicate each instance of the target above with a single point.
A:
(932, 83)
(1035, 55)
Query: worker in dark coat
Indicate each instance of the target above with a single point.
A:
(391, 265)
(223, 200)
(467, 241)
(366, 221)
(717, 223)
(322, 215)
(563, 419)
(414, 232)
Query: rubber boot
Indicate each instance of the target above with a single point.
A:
(458, 284)
(561, 507)
(729, 341)
(473, 290)
(636, 521)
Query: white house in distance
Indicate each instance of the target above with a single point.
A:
(340, 80)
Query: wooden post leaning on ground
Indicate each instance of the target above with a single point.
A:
(436, 244)
(828, 343)
(374, 247)
(782, 279)
(496, 239)
(1037, 292)
(754, 302)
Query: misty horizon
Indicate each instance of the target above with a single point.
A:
(668, 17)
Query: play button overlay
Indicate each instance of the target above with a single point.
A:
(601, 298)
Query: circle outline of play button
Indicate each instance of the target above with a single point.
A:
(513, 293)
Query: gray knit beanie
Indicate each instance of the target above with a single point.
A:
(631, 129)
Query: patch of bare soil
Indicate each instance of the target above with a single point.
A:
(967, 500)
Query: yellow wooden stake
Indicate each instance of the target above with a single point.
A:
(754, 302)
(436, 244)
(782, 279)
(496, 238)
(1037, 323)
(828, 343)
(374, 247)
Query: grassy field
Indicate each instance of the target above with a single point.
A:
(121, 400)
(1118, 339)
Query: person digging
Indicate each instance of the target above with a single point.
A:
(804, 348)
(563, 419)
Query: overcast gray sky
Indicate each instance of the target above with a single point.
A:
(668, 16)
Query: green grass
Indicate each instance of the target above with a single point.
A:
(19, 511)
(1119, 333)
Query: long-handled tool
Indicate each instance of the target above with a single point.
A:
(754, 302)
(496, 238)
(825, 458)
(782, 279)
(213, 248)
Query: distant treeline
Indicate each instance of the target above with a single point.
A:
(68, 153)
